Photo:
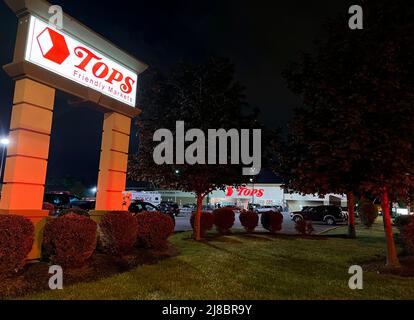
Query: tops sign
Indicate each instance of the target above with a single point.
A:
(61, 54)
(244, 191)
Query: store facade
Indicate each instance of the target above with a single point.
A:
(263, 194)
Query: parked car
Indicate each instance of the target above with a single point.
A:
(235, 209)
(345, 212)
(169, 206)
(205, 208)
(140, 206)
(326, 213)
(268, 208)
(84, 204)
(60, 200)
(187, 209)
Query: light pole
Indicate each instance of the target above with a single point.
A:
(4, 143)
(252, 181)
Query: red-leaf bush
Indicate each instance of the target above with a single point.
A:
(249, 220)
(16, 241)
(70, 240)
(118, 233)
(206, 222)
(272, 221)
(77, 211)
(303, 226)
(223, 219)
(154, 228)
(408, 235)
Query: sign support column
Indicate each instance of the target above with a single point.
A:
(27, 154)
(113, 162)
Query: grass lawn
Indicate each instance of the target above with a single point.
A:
(256, 266)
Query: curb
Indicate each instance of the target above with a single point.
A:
(326, 230)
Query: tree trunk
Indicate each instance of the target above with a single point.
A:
(351, 215)
(392, 258)
(197, 218)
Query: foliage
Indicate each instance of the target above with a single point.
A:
(77, 211)
(249, 220)
(154, 228)
(118, 233)
(223, 219)
(401, 221)
(368, 212)
(272, 221)
(69, 240)
(204, 96)
(206, 222)
(408, 235)
(356, 110)
(16, 240)
(303, 226)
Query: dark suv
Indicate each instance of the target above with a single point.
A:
(140, 206)
(61, 200)
(328, 214)
(169, 207)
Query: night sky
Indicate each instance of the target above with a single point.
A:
(259, 37)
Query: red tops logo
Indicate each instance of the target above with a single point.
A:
(244, 191)
(55, 48)
(101, 70)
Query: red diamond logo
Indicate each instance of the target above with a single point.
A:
(53, 46)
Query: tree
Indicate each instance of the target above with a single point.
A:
(353, 133)
(204, 96)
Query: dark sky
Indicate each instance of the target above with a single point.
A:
(260, 38)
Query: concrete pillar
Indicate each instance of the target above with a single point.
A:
(113, 161)
(27, 154)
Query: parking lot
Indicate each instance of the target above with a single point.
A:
(182, 223)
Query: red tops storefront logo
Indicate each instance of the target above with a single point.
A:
(54, 47)
(244, 191)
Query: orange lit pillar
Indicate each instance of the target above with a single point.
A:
(113, 161)
(27, 155)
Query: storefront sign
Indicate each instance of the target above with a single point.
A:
(62, 54)
(244, 192)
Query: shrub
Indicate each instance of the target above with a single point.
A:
(206, 221)
(77, 211)
(408, 236)
(304, 226)
(249, 220)
(16, 241)
(118, 233)
(405, 225)
(49, 207)
(368, 212)
(401, 221)
(70, 239)
(272, 221)
(223, 219)
(154, 228)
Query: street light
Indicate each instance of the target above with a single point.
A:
(4, 143)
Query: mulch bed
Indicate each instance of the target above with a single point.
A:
(35, 276)
(405, 270)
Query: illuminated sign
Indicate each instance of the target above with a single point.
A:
(60, 53)
(244, 191)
